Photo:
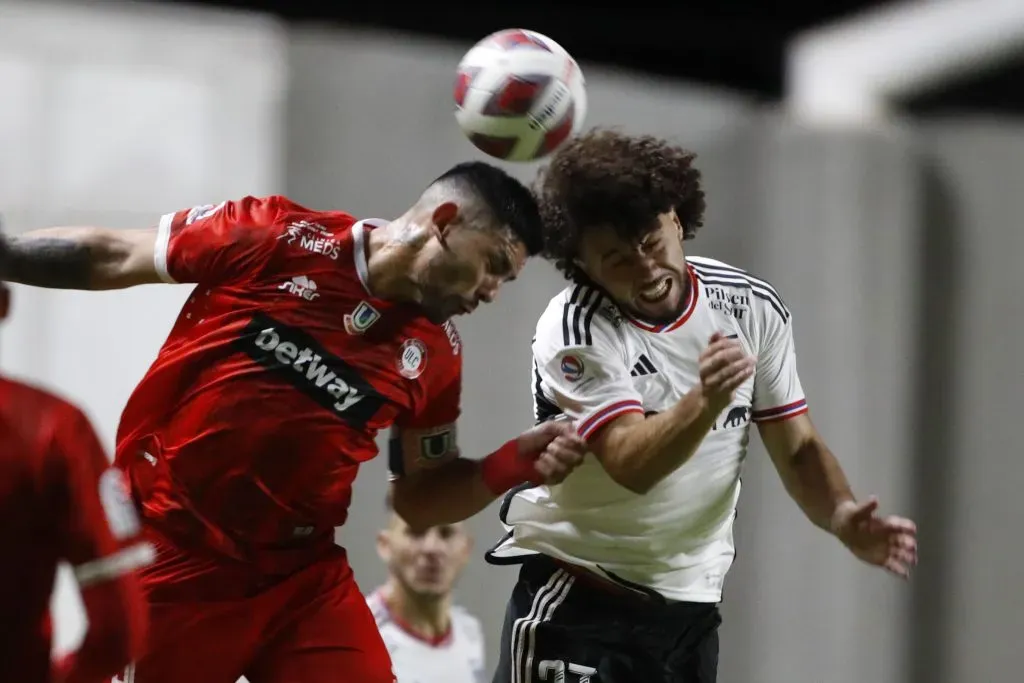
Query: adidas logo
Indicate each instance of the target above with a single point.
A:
(643, 367)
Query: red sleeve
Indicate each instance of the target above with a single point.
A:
(219, 243)
(100, 539)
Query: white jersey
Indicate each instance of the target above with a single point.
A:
(593, 363)
(458, 657)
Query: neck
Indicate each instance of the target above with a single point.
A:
(428, 617)
(391, 254)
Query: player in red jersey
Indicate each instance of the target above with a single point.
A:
(307, 334)
(61, 501)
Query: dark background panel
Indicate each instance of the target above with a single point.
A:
(738, 44)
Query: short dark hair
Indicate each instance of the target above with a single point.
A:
(605, 178)
(509, 200)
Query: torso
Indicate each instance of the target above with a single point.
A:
(253, 420)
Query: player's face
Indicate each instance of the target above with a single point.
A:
(647, 278)
(467, 266)
(426, 563)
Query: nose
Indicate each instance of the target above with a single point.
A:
(488, 291)
(646, 267)
(432, 542)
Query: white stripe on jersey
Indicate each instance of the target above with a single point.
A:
(591, 363)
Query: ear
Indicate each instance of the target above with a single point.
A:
(443, 218)
(383, 549)
(679, 226)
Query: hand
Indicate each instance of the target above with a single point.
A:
(724, 366)
(888, 542)
(555, 449)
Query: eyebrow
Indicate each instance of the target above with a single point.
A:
(502, 263)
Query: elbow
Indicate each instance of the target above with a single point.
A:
(409, 507)
(629, 478)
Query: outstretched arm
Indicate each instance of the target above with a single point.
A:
(209, 244)
(810, 473)
(88, 258)
(815, 480)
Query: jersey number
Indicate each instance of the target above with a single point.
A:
(554, 671)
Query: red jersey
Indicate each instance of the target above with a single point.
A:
(246, 433)
(59, 500)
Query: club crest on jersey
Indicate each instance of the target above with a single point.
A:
(412, 358)
(572, 368)
(360, 320)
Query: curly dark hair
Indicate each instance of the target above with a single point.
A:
(510, 201)
(605, 178)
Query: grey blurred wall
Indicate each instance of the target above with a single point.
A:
(898, 250)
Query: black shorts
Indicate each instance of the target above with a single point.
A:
(560, 626)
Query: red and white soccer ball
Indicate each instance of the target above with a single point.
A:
(519, 95)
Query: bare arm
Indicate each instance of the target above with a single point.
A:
(457, 488)
(638, 452)
(80, 258)
(808, 469)
(448, 494)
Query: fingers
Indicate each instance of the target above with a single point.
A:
(560, 458)
(535, 440)
(732, 376)
(719, 355)
(895, 566)
(725, 365)
(900, 524)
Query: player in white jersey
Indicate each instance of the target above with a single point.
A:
(664, 361)
(430, 639)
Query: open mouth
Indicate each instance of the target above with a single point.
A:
(656, 291)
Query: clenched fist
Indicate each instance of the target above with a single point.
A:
(724, 366)
(555, 449)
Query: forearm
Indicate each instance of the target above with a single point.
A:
(815, 480)
(642, 453)
(451, 493)
(63, 258)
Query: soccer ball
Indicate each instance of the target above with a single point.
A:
(519, 95)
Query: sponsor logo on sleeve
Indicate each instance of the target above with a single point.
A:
(572, 368)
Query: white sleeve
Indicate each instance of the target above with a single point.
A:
(579, 368)
(778, 394)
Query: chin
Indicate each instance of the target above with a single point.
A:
(660, 311)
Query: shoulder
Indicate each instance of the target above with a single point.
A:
(23, 400)
(720, 279)
(379, 610)
(467, 624)
(437, 348)
(578, 316)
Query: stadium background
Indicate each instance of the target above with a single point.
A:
(895, 239)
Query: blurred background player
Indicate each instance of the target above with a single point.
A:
(430, 639)
(664, 361)
(61, 501)
(307, 334)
